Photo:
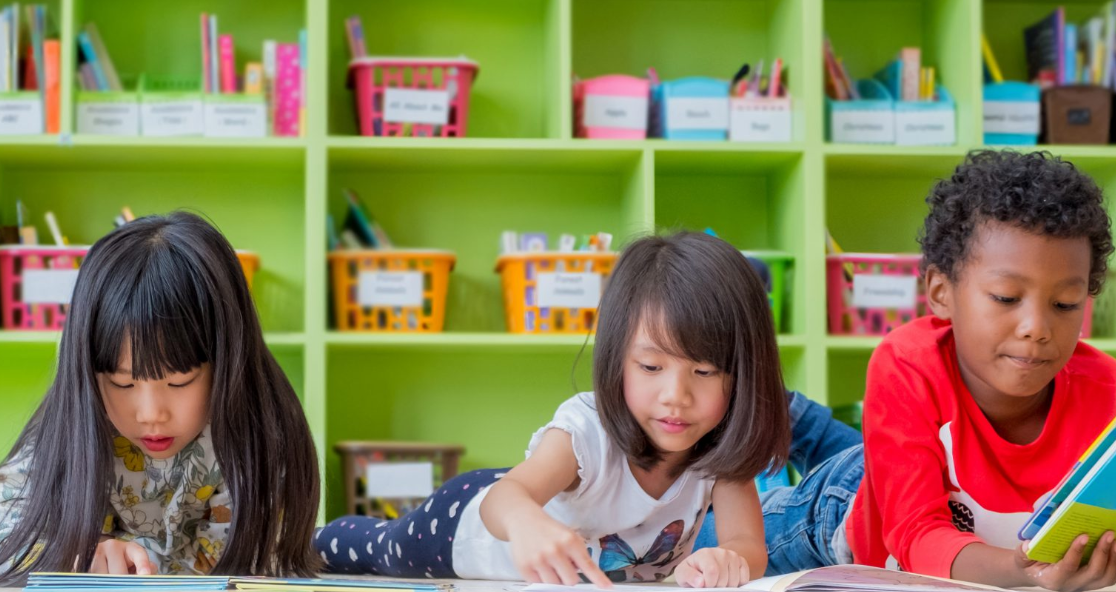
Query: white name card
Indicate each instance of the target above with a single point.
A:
(751, 124)
(48, 286)
(863, 127)
(399, 480)
(569, 290)
(172, 118)
(925, 128)
(697, 114)
(390, 288)
(885, 291)
(21, 116)
(1012, 117)
(108, 118)
(404, 105)
(235, 119)
(615, 112)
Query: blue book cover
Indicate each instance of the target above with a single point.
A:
(1070, 68)
(91, 57)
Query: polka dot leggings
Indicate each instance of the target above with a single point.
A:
(415, 545)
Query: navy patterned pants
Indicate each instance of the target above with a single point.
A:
(415, 545)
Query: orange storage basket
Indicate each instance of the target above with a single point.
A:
(347, 268)
(520, 278)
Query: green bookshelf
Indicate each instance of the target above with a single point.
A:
(519, 169)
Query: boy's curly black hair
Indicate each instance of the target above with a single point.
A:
(1035, 191)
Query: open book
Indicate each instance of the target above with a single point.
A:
(77, 582)
(1084, 502)
(836, 578)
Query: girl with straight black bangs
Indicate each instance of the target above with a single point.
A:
(170, 440)
(688, 408)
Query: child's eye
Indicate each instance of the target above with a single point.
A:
(647, 368)
(1004, 299)
(705, 373)
(1066, 307)
(121, 386)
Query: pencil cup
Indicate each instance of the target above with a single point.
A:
(694, 108)
(414, 97)
(1011, 114)
(611, 107)
(869, 120)
(396, 291)
(21, 113)
(872, 294)
(553, 292)
(36, 284)
(760, 119)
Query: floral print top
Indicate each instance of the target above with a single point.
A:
(176, 508)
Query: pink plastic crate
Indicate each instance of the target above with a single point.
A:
(847, 319)
(437, 88)
(612, 107)
(40, 274)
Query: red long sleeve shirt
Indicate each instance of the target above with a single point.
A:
(937, 475)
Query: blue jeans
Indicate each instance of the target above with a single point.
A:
(800, 521)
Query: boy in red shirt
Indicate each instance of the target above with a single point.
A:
(973, 414)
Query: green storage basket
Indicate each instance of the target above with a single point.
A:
(778, 264)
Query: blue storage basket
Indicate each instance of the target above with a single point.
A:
(708, 95)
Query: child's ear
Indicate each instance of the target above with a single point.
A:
(939, 293)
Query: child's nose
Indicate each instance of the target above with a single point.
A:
(1034, 323)
(150, 408)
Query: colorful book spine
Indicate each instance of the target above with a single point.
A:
(288, 98)
(91, 59)
(88, 79)
(228, 64)
(205, 53)
(302, 63)
(103, 56)
(911, 58)
(253, 78)
(52, 93)
(6, 45)
(14, 16)
(214, 82)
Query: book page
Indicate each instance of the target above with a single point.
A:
(865, 578)
(1076, 519)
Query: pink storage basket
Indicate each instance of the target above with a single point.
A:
(847, 319)
(373, 79)
(626, 119)
(40, 274)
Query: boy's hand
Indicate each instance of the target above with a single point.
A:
(121, 558)
(1068, 575)
(713, 567)
(546, 551)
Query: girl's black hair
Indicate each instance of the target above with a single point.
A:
(173, 287)
(699, 299)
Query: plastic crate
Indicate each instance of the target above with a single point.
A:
(36, 283)
(416, 97)
(391, 290)
(778, 272)
(872, 294)
(553, 292)
(613, 107)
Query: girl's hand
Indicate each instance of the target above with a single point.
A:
(713, 567)
(546, 551)
(1068, 575)
(121, 558)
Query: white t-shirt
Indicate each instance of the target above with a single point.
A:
(643, 537)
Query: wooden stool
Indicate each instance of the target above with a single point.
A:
(356, 455)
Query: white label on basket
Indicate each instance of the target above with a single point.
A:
(399, 480)
(48, 286)
(1011, 117)
(615, 112)
(758, 125)
(236, 120)
(569, 290)
(172, 118)
(404, 105)
(933, 127)
(21, 117)
(108, 118)
(884, 291)
(865, 127)
(390, 288)
(697, 114)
